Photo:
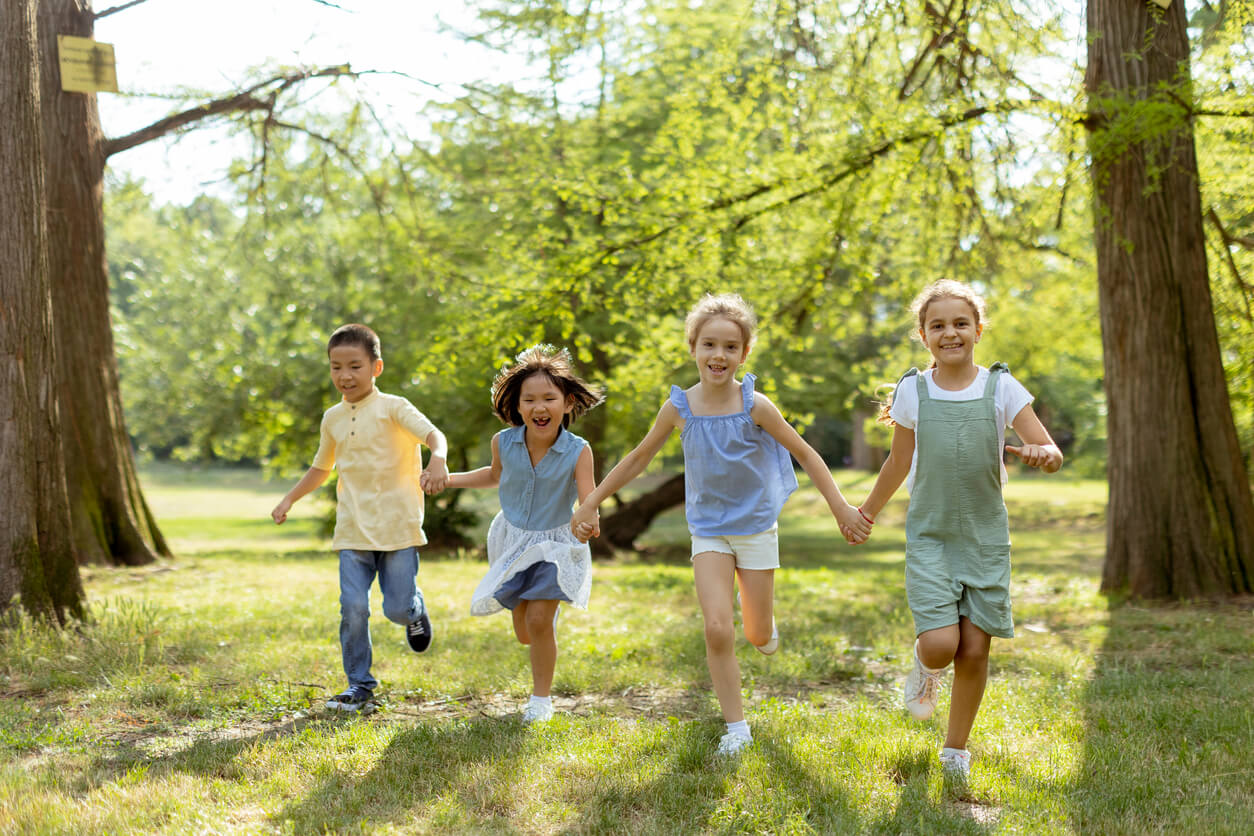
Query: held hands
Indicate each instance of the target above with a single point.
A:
(434, 478)
(279, 514)
(1045, 456)
(585, 523)
(854, 525)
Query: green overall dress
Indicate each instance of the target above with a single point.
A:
(957, 537)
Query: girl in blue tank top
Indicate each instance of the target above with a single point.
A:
(949, 426)
(540, 469)
(737, 476)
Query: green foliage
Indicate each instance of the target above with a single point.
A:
(825, 163)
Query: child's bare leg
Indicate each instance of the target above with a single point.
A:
(937, 647)
(757, 603)
(970, 677)
(715, 573)
(539, 625)
(520, 622)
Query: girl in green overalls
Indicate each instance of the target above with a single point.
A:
(949, 424)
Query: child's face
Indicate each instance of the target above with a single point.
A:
(353, 372)
(719, 350)
(950, 332)
(542, 405)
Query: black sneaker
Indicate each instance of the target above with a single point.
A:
(353, 699)
(419, 633)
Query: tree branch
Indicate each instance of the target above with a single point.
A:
(116, 9)
(260, 96)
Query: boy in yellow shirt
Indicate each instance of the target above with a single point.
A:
(373, 439)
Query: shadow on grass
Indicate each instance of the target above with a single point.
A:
(1169, 728)
(462, 770)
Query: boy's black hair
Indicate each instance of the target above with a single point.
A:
(357, 334)
(552, 362)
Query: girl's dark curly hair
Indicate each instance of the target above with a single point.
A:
(556, 365)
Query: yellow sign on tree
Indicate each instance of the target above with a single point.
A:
(86, 66)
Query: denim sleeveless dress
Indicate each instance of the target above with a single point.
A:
(532, 554)
(737, 477)
(957, 534)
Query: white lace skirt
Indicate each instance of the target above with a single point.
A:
(512, 550)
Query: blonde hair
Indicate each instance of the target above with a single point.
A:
(729, 306)
(942, 289)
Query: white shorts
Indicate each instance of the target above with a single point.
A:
(752, 551)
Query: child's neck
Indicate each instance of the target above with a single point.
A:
(538, 445)
(955, 379)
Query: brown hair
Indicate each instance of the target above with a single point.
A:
(555, 364)
(942, 289)
(359, 335)
(726, 305)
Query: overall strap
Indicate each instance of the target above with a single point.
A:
(746, 390)
(680, 398)
(994, 371)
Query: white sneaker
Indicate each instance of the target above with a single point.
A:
(956, 764)
(731, 743)
(921, 689)
(537, 712)
(772, 643)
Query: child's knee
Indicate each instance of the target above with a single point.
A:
(539, 622)
(719, 632)
(758, 634)
(354, 612)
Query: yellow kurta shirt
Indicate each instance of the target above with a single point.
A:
(374, 445)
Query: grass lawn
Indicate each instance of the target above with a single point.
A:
(191, 701)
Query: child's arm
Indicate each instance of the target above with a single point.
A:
(767, 416)
(483, 477)
(585, 482)
(892, 473)
(629, 468)
(434, 478)
(1038, 448)
(313, 477)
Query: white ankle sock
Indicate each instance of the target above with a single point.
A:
(740, 727)
(541, 701)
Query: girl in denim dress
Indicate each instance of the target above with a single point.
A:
(737, 476)
(540, 469)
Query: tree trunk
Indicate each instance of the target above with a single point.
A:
(37, 566)
(620, 529)
(111, 522)
(1180, 522)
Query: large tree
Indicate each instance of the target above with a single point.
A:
(1180, 520)
(110, 521)
(37, 565)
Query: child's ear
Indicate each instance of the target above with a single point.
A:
(378, 367)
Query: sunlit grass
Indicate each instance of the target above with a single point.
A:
(191, 700)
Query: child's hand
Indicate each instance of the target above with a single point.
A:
(279, 514)
(434, 478)
(585, 523)
(853, 524)
(586, 531)
(1045, 456)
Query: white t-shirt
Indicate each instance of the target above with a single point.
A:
(1010, 398)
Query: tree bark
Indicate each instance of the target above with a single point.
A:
(37, 566)
(111, 522)
(1180, 523)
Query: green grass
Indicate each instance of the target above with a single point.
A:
(191, 699)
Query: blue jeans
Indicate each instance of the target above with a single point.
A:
(402, 603)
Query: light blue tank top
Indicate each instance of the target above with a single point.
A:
(542, 497)
(737, 477)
